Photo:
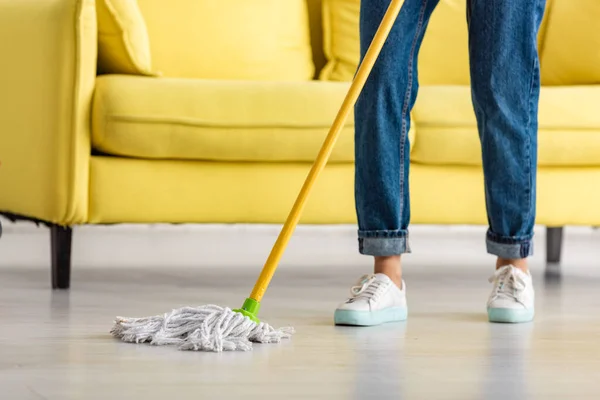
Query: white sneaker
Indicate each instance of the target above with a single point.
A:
(375, 300)
(512, 298)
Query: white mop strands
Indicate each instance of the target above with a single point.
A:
(204, 328)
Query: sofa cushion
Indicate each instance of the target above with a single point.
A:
(230, 39)
(123, 44)
(569, 127)
(171, 118)
(341, 42)
(571, 51)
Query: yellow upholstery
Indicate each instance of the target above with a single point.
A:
(341, 40)
(569, 131)
(126, 190)
(123, 44)
(571, 52)
(185, 119)
(44, 107)
(180, 119)
(444, 55)
(221, 150)
(454, 195)
(209, 192)
(230, 39)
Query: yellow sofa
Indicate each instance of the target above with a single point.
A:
(212, 139)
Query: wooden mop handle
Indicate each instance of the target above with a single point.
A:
(355, 89)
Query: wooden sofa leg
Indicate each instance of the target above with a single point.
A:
(554, 239)
(60, 243)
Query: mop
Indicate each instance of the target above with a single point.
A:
(214, 328)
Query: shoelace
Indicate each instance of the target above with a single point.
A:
(509, 284)
(367, 288)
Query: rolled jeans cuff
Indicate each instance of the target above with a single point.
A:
(509, 247)
(383, 243)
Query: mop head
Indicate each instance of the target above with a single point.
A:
(204, 328)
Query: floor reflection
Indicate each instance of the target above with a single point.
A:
(509, 348)
(379, 360)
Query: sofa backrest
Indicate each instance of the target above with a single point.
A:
(230, 39)
(285, 40)
(570, 52)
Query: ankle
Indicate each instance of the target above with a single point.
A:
(391, 267)
(520, 263)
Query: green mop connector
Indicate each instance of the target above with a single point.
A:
(250, 309)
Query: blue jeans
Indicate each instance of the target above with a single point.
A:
(505, 86)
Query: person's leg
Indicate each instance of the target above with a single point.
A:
(505, 81)
(382, 120)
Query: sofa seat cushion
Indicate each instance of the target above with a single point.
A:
(569, 127)
(169, 118)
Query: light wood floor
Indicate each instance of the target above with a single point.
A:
(55, 345)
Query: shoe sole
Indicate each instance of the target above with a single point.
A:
(370, 318)
(510, 316)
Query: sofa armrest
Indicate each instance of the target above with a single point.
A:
(48, 51)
